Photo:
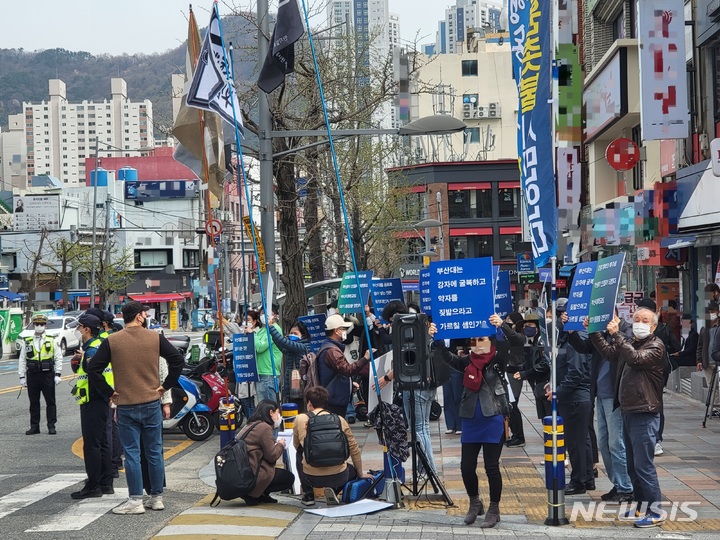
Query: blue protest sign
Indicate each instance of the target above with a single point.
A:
(315, 325)
(425, 303)
(604, 292)
(383, 292)
(578, 306)
(349, 301)
(463, 297)
(244, 363)
(503, 295)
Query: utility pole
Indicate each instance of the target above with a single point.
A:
(94, 222)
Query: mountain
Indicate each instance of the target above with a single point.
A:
(24, 75)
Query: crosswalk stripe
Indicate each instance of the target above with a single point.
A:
(34, 492)
(80, 514)
(242, 511)
(221, 530)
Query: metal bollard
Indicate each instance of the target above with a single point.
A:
(227, 420)
(555, 484)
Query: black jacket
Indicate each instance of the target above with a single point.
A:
(574, 372)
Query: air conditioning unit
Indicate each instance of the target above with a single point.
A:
(494, 106)
(481, 112)
(467, 114)
(467, 106)
(493, 113)
(643, 254)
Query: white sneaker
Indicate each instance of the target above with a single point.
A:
(154, 503)
(449, 431)
(659, 449)
(131, 506)
(331, 497)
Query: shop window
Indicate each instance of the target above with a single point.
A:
(153, 258)
(509, 202)
(459, 248)
(482, 245)
(508, 245)
(470, 203)
(191, 258)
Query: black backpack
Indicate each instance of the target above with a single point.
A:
(325, 442)
(234, 476)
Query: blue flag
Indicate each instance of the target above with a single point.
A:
(532, 55)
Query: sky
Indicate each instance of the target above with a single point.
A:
(151, 26)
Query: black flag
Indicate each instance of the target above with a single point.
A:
(280, 59)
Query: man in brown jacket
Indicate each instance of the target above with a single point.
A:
(331, 478)
(638, 392)
(134, 354)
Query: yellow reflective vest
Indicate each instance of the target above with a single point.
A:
(81, 390)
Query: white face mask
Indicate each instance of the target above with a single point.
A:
(263, 318)
(343, 336)
(278, 422)
(713, 316)
(39, 328)
(641, 330)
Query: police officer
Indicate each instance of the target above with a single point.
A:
(94, 409)
(40, 368)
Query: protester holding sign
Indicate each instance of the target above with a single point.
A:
(293, 347)
(268, 368)
(639, 392)
(483, 407)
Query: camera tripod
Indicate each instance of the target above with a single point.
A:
(712, 393)
(416, 453)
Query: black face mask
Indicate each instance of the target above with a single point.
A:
(145, 322)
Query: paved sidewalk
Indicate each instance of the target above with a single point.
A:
(689, 472)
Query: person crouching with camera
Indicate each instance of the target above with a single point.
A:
(483, 407)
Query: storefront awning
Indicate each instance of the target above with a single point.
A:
(157, 297)
(11, 296)
(85, 300)
(678, 242)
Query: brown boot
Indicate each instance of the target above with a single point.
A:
(476, 509)
(492, 516)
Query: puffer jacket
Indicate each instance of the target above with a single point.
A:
(640, 381)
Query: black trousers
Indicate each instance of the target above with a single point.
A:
(114, 438)
(41, 382)
(281, 481)
(515, 419)
(491, 459)
(96, 447)
(576, 418)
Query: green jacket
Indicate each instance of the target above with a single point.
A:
(262, 353)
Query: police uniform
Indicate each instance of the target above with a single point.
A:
(40, 367)
(94, 411)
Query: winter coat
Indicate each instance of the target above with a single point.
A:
(262, 451)
(640, 380)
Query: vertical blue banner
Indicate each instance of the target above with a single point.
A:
(604, 292)
(349, 301)
(532, 54)
(425, 298)
(383, 291)
(315, 325)
(503, 295)
(244, 363)
(578, 306)
(463, 297)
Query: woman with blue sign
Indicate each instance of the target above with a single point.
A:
(483, 408)
(293, 347)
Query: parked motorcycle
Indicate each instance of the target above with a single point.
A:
(188, 412)
(209, 376)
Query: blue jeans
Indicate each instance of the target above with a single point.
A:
(640, 437)
(265, 388)
(423, 400)
(612, 444)
(452, 394)
(134, 422)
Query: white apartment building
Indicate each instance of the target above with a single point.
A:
(13, 164)
(476, 87)
(59, 135)
(463, 15)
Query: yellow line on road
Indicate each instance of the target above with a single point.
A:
(17, 388)
(77, 448)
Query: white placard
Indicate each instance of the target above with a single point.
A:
(383, 364)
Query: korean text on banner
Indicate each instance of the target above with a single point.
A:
(578, 306)
(425, 298)
(532, 57)
(383, 291)
(604, 292)
(349, 301)
(463, 297)
(315, 325)
(244, 363)
(503, 295)
(664, 112)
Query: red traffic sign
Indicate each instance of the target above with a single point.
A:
(213, 227)
(622, 154)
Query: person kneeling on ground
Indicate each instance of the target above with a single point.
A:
(323, 462)
(264, 452)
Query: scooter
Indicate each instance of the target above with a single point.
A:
(208, 375)
(188, 412)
